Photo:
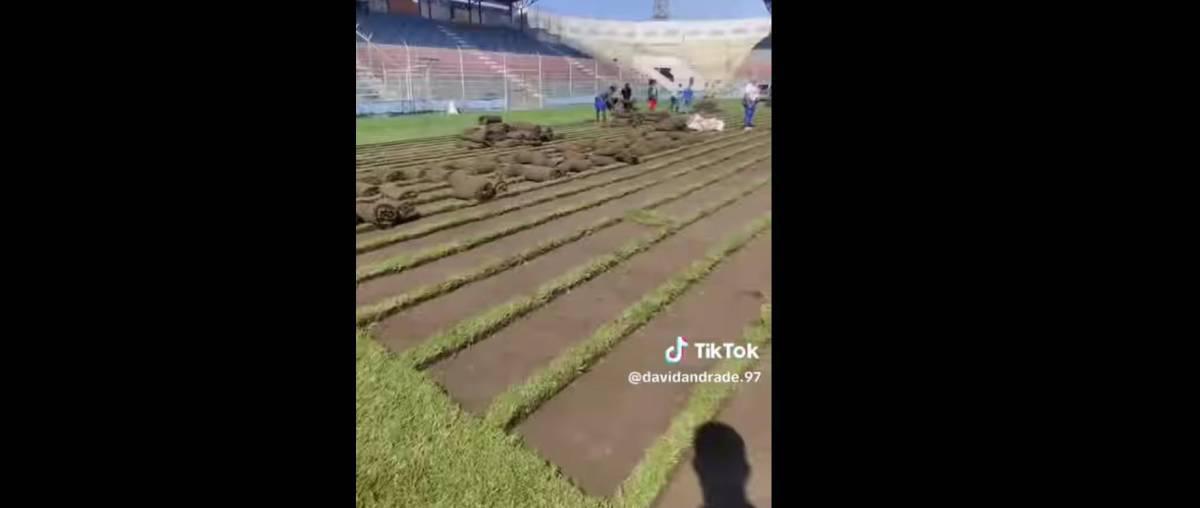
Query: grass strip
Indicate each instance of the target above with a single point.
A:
(424, 157)
(478, 327)
(378, 311)
(520, 400)
(406, 261)
(383, 241)
(650, 218)
(414, 446)
(367, 314)
(652, 474)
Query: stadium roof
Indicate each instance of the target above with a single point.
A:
(642, 10)
(765, 43)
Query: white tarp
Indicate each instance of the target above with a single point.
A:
(699, 123)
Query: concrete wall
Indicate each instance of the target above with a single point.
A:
(441, 10)
(406, 7)
(499, 18)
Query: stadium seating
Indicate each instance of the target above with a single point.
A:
(417, 31)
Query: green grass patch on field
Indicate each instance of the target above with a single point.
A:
(651, 475)
(520, 400)
(415, 447)
(390, 306)
(473, 329)
(650, 218)
(425, 125)
(476, 328)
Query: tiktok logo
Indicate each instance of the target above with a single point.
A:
(675, 353)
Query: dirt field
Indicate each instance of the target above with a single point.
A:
(528, 311)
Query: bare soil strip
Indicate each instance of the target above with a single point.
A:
(749, 413)
(477, 374)
(448, 323)
(476, 263)
(598, 444)
(447, 150)
(479, 233)
(480, 325)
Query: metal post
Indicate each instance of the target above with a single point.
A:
(570, 85)
(541, 89)
(595, 76)
(408, 71)
(370, 61)
(504, 73)
(462, 77)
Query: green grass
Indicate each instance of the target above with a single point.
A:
(415, 447)
(651, 475)
(375, 312)
(368, 314)
(476, 328)
(399, 128)
(650, 218)
(522, 399)
(480, 326)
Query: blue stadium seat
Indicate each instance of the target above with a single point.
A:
(418, 31)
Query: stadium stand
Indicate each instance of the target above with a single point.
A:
(416, 31)
(407, 63)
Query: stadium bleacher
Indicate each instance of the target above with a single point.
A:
(417, 31)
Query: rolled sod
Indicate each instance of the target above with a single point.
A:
(576, 165)
(541, 173)
(365, 189)
(471, 145)
(525, 126)
(482, 166)
(532, 157)
(642, 148)
(397, 193)
(601, 160)
(509, 169)
(436, 174)
(609, 149)
(391, 175)
(414, 173)
(467, 186)
(381, 211)
(627, 157)
(487, 119)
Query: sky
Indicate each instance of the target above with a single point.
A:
(641, 10)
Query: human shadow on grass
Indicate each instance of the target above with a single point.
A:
(720, 463)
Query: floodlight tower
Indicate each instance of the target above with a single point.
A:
(662, 9)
